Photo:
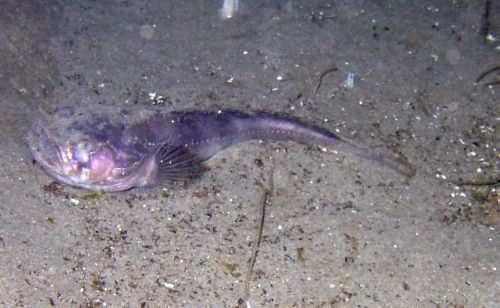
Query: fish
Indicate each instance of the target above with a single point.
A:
(115, 149)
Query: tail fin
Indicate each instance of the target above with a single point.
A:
(398, 165)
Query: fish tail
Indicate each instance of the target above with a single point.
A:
(396, 164)
(271, 127)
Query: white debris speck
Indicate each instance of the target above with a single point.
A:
(74, 201)
(229, 9)
(280, 227)
(350, 80)
(491, 38)
(168, 285)
(479, 170)
(440, 176)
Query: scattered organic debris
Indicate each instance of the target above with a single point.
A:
(53, 188)
(301, 254)
(266, 195)
(231, 267)
(489, 181)
(321, 76)
(495, 81)
(165, 193)
(94, 195)
(485, 22)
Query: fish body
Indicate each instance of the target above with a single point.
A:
(115, 150)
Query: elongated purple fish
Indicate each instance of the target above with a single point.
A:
(114, 150)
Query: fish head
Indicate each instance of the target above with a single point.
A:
(83, 150)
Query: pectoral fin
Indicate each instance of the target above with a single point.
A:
(177, 164)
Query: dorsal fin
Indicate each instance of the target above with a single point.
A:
(177, 164)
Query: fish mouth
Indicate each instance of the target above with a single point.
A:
(50, 155)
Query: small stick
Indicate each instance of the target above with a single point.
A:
(328, 71)
(485, 26)
(256, 245)
(487, 72)
(476, 182)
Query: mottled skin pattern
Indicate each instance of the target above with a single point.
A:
(112, 151)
